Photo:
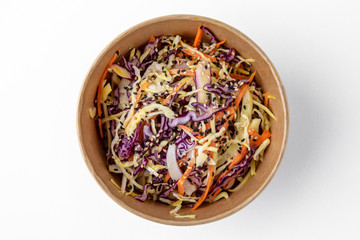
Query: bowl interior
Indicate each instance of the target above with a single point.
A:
(186, 26)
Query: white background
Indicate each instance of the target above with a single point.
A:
(46, 49)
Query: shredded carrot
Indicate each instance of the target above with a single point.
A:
(180, 54)
(208, 185)
(131, 158)
(196, 55)
(265, 135)
(167, 177)
(182, 161)
(243, 91)
(181, 181)
(166, 100)
(220, 115)
(198, 37)
(142, 88)
(152, 39)
(182, 72)
(141, 135)
(266, 100)
(254, 133)
(238, 76)
(226, 124)
(233, 75)
(186, 128)
(100, 128)
(217, 46)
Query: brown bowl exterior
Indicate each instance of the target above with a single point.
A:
(267, 77)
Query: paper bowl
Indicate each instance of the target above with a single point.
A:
(266, 77)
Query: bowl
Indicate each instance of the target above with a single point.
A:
(266, 77)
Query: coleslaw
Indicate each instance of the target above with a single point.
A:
(182, 122)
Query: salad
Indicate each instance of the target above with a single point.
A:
(182, 122)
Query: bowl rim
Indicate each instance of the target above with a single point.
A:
(174, 221)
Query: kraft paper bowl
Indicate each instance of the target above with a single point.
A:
(266, 77)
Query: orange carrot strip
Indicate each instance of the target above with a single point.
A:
(238, 76)
(186, 128)
(100, 128)
(182, 72)
(167, 177)
(142, 87)
(181, 181)
(196, 55)
(217, 46)
(180, 162)
(233, 75)
(265, 135)
(254, 133)
(243, 91)
(208, 185)
(266, 100)
(166, 100)
(152, 39)
(198, 37)
(141, 135)
(220, 115)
